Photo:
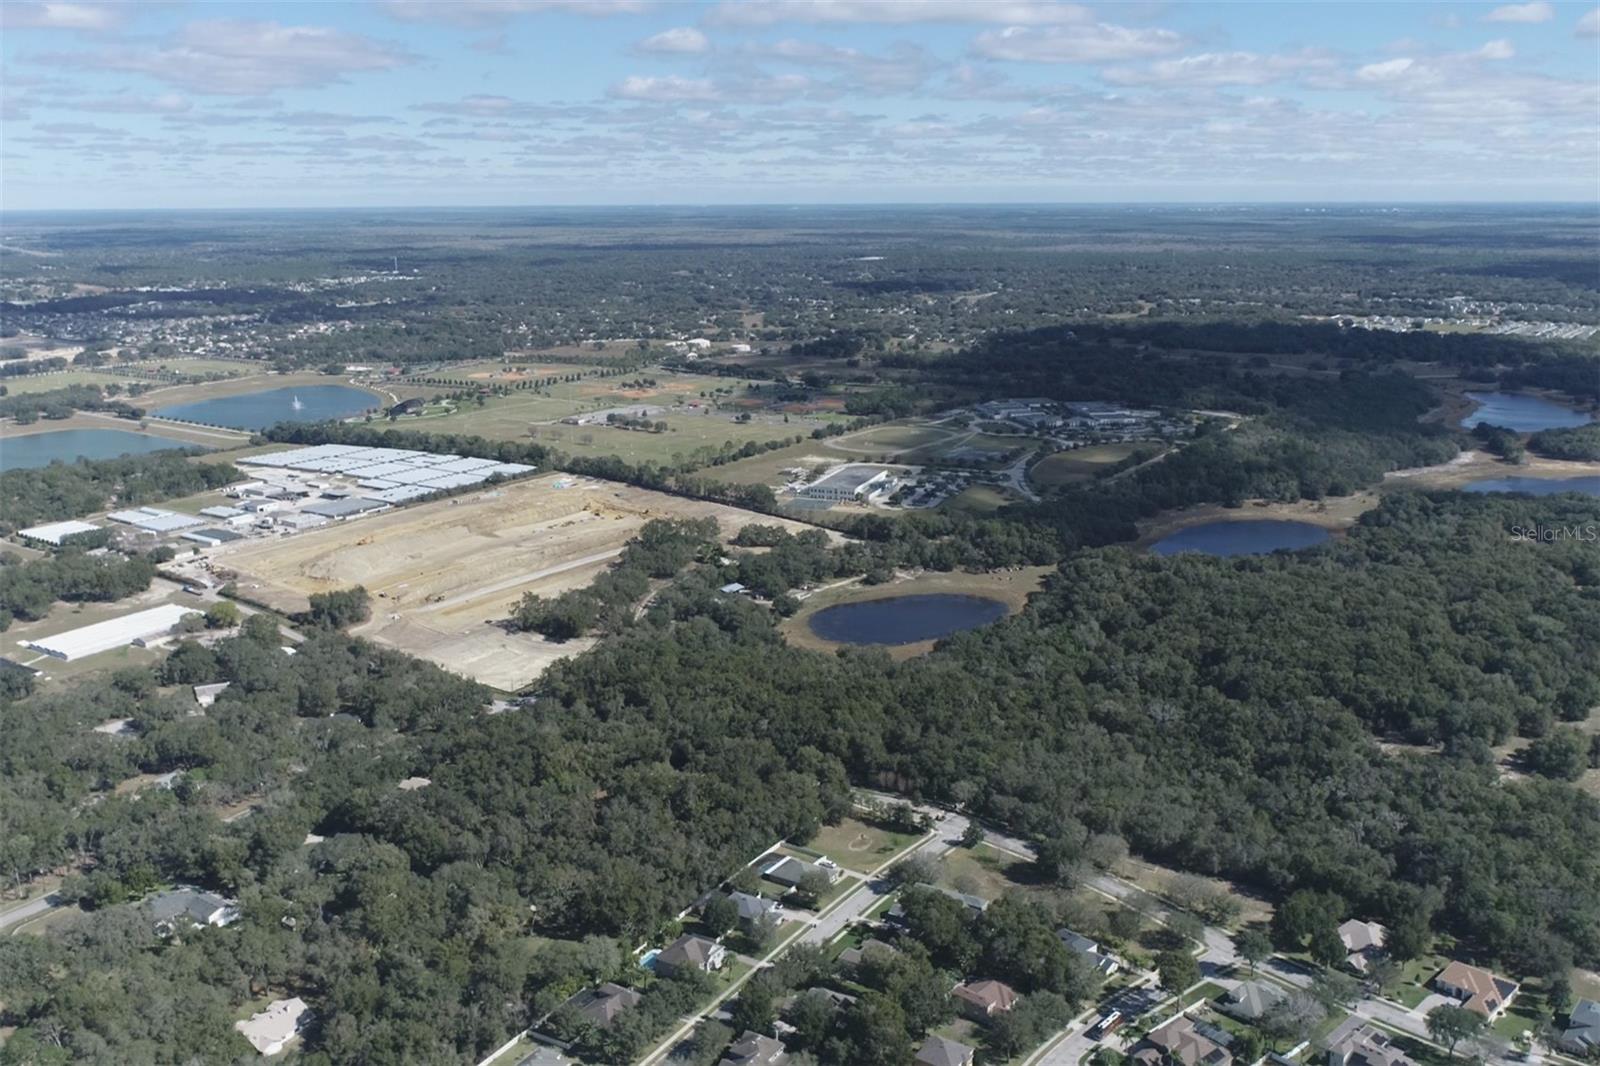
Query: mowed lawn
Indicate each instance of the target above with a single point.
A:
(1065, 468)
(857, 845)
(684, 436)
(980, 499)
(28, 383)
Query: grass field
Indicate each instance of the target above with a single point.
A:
(858, 846)
(767, 468)
(686, 435)
(23, 384)
(442, 573)
(1081, 464)
(981, 499)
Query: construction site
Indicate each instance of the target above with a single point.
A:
(444, 576)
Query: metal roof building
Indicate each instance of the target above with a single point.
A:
(56, 532)
(115, 633)
(155, 520)
(345, 508)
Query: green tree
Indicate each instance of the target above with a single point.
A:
(1178, 970)
(1449, 1025)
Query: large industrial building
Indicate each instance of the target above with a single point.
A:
(137, 628)
(56, 533)
(388, 469)
(854, 482)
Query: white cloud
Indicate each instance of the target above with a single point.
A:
(129, 104)
(1498, 49)
(1538, 11)
(903, 67)
(1093, 43)
(902, 12)
(1589, 24)
(241, 58)
(1388, 70)
(680, 40)
(671, 89)
(1220, 68)
(60, 16)
(484, 12)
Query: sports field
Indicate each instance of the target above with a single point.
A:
(442, 574)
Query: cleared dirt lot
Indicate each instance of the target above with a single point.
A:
(442, 573)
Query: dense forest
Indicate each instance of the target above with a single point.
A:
(1218, 715)
(71, 490)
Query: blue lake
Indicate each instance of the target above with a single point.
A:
(258, 410)
(1525, 414)
(1254, 536)
(1536, 486)
(69, 445)
(904, 619)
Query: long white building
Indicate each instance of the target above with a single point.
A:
(116, 633)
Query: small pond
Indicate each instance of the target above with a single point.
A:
(1523, 413)
(904, 619)
(34, 450)
(1536, 486)
(258, 410)
(1255, 536)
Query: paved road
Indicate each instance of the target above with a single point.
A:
(31, 909)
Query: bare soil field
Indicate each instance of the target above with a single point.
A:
(1477, 466)
(443, 574)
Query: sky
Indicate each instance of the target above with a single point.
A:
(569, 102)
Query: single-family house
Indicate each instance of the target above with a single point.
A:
(1581, 1036)
(1363, 940)
(1181, 1042)
(1101, 959)
(788, 870)
(600, 1006)
(270, 1030)
(975, 904)
(690, 952)
(983, 1000)
(1251, 1000)
(1478, 990)
(191, 906)
(754, 1049)
(850, 958)
(938, 1051)
(755, 910)
(1354, 1043)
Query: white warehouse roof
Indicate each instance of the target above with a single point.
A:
(115, 633)
(56, 532)
(155, 519)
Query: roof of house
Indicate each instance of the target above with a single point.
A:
(1359, 1044)
(752, 907)
(937, 1051)
(1182, 1041)
(601, 1005)
(191, 903)
(853, 956)
(1583, 1025)
(688, 950)
(1359, 936)
(269, 1028)
(1252, 999)
(754, 1049)
(991, 995)
(1078, 942)
(1485, 992)
(789, 870)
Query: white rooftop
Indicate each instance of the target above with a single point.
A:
(115, 633)
(56, 532)
(269, 1030)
